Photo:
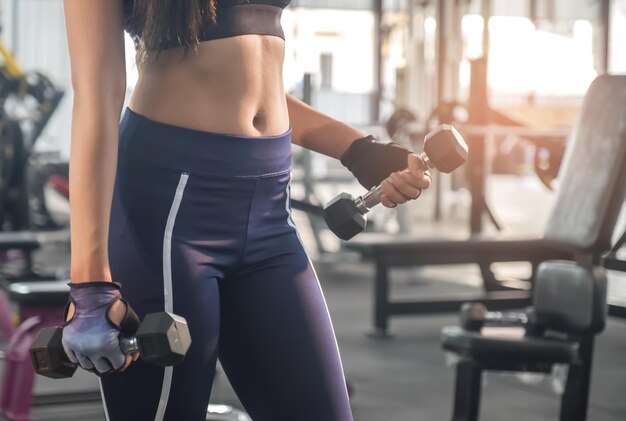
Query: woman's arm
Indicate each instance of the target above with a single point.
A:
(320, 133)
(96, 42)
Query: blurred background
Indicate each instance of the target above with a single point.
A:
(511, 75)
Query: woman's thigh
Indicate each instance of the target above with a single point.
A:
(277, 343)
(161, 271)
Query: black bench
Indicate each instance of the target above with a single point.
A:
(569, 310)
(589, 198)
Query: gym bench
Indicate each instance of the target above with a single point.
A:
(582, 220)
(569, 309)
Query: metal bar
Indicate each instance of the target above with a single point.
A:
(67, 398)
(613, 263)
(576, 397)
(441, 51)
(478, 106)
(617, 311)
(605, 25)
(378, 66)
(467, 391)
(486, 12)
(307, 207)
(500, 130)
(15, 15)
(381, 299)
(307, 168)
(500, 300)
(619, 243)
(533, 11)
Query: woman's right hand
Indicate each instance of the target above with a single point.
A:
(95, 319)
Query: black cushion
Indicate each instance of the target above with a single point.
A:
(505, 348)
(49, 293)
(399, 249)
(571, 298)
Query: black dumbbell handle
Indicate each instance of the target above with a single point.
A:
(373, 197)
(499, 318)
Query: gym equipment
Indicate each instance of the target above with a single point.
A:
(549, 144)
(581, 222)
(613, 261)
(548, 158)
(401, 120)
(474, 316)
(162, 339)
(40, 304)
(444, 149)
(21, 189)
(570, 303)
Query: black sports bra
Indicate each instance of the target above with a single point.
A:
(234, 17)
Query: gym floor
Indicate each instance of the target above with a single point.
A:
(408, 377)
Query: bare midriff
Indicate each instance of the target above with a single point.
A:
(232, 86)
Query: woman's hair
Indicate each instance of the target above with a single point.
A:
(167, 22)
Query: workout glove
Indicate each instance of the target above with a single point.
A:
(371, 162)
(90, 338)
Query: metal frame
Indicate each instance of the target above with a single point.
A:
(575, 399)
(496, 294)
(384, 308)
(611, 262)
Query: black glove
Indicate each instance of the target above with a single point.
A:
(371, 161)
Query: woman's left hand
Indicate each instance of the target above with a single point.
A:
(402, 186)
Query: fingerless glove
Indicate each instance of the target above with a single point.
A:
(371, 161)
(90, 338)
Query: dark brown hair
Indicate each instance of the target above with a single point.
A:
(171, 22)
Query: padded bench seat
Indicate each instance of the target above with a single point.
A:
(38, 293)
(521, 349)
(24, 240)
(403, 249)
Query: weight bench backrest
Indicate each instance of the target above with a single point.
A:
(571, 298)
(593, 175)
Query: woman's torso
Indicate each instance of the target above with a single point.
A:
(230, 85)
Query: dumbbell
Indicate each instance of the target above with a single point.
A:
(162, 340)
(444, 149)
(474, 316)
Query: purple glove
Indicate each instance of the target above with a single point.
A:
(90, 338)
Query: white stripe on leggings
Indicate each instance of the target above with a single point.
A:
(167, 285)
(104, 402)
(290, 221)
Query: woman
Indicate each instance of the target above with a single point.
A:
(185, 204)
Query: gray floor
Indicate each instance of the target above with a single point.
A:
(407, 378)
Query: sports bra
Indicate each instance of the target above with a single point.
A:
(233, 18)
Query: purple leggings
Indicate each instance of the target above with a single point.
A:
(201, 226)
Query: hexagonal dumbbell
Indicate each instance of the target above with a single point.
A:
(162, 339)
(444, 149)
